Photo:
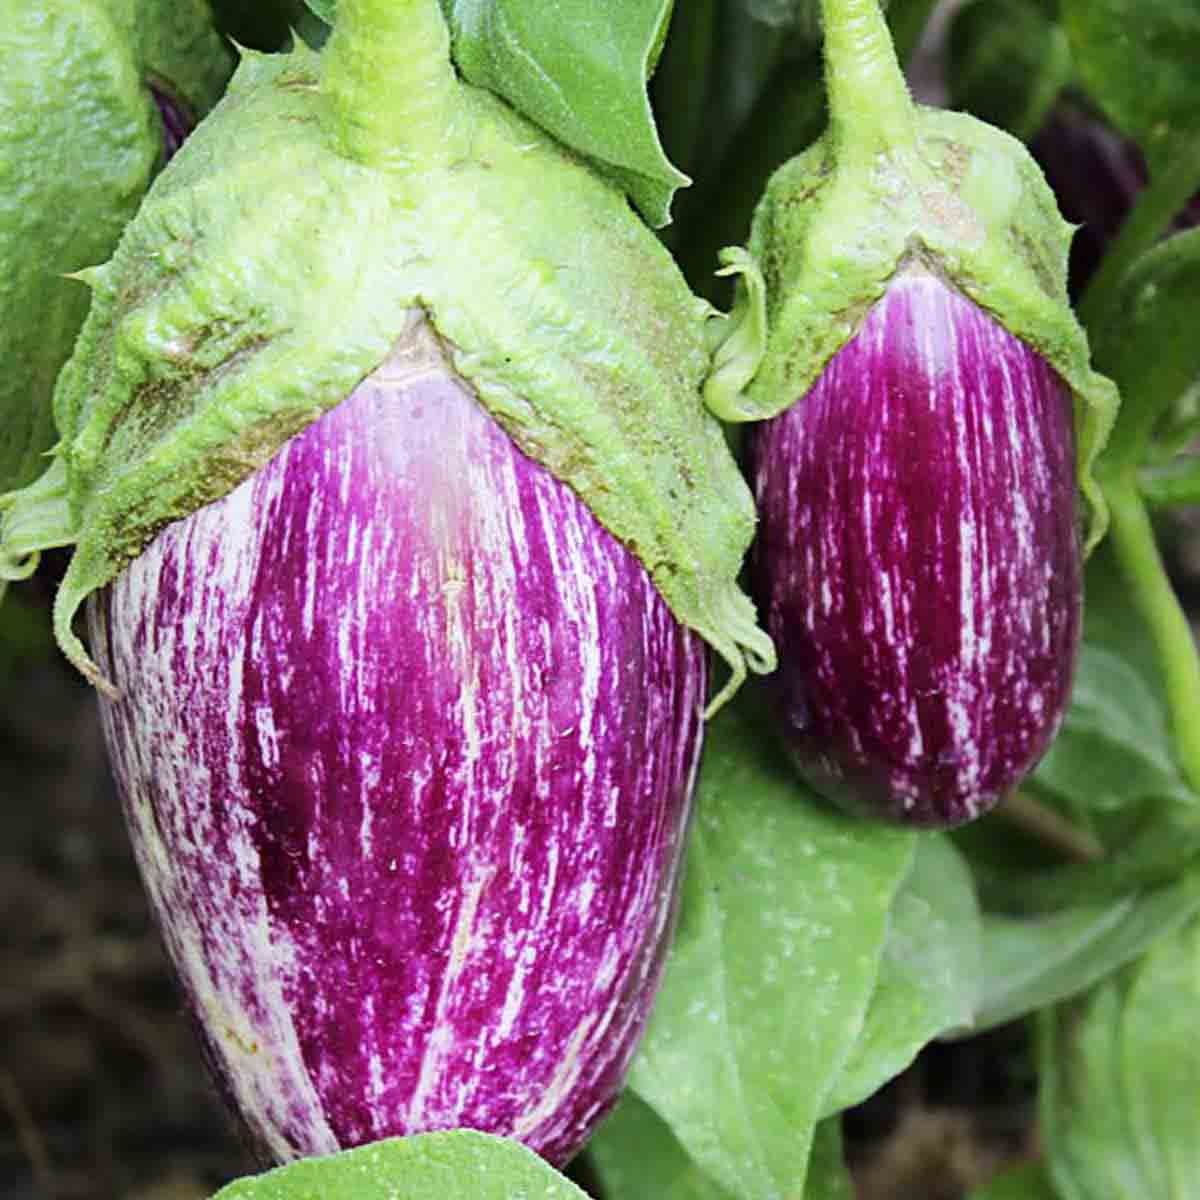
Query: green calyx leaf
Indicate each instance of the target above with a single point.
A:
(454, 1165)
(881, 189)
(290, 244)
(81, 136)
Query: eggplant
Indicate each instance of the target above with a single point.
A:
(918, 560)
(932, 416)
(406, 741)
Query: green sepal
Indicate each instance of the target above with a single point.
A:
(267, 273)
(966, 201)
(41, 520)
(79, 143)
(738, 341)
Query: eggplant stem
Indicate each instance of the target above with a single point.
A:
(390, 85)
(1050, 828)
(870, 108)
(1153, 598)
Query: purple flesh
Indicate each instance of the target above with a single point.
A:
(177, 122)
(406, 746)
(918, 560)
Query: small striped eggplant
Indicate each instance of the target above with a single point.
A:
(406, 742)
(902, 327)
(918, 561)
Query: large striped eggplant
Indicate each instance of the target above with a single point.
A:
(902, 325)
(384, 452)
(918, 559)
(406, 742)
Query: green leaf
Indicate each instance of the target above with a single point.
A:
(1032, 963)
(928, 977)
(784, 918)
(637, 1156)
(1121, 1080)
(1006, 63)
(1137, 59)
(459, 1165)
(578, 68)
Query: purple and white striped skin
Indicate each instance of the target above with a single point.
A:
(918, 560)
(406, 744)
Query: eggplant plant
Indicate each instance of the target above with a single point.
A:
(577, 737)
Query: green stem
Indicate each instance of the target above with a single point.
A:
(1136, 551)
(787, 117)
(870, 108)
(1050, 828)
(1169, 190)
(390, 84)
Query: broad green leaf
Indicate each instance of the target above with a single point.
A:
(1006, 63)
(1031, 963)
(458, 1165)
(928, 976)
(784, 918)
(1028, 1182)
(578, 68)
(1121, 1080)
(1137, 59)
(637, 1156)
